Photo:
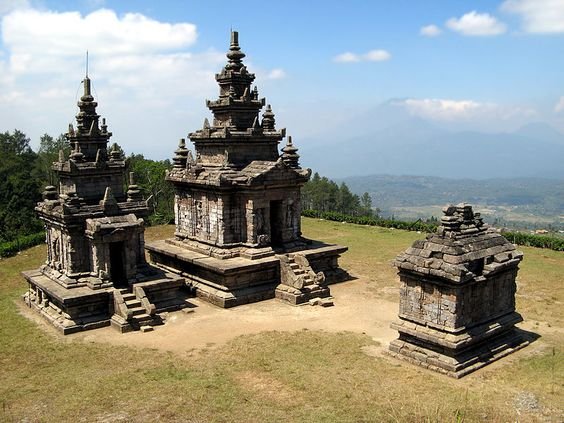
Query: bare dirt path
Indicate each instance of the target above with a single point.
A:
(355, 310)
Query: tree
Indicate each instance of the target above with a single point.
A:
(19, 190)
(150, 176)
(48, 153)
(366, 204)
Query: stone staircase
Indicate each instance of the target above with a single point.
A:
(299, 283)
(133, 311)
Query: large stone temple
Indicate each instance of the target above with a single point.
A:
(96, 272)
(457, 296)
(237, 205)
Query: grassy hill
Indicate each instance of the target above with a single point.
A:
(303, 375)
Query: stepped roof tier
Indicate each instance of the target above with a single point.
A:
(237, 136)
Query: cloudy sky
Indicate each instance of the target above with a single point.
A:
(483, 65)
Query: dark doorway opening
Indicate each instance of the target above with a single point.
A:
(117, 265)
(276, 223)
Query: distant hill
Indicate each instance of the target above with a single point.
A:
(520, 199)
(391, 141)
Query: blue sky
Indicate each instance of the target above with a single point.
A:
(483, 65)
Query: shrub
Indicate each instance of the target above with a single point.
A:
(11, 248)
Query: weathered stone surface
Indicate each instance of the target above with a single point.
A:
(96, 273)
(457, 307)
(238, 205)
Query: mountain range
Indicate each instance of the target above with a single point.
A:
(388, 140)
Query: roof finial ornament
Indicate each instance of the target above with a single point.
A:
(235, 55)
(87, 63)
(290, 155)
(268, 119)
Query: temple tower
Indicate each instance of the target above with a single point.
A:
(239, 197)
(94, 232)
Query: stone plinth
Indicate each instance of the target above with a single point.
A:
(237, 280)
(457, 296)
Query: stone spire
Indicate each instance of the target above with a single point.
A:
(88, 137)
(133, 191)
(180, 155)
(237, 135)
(268, 119)
(290, 155)
(238, 104)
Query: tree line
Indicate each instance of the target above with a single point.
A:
(324, 195)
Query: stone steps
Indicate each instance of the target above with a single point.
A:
(139, 318)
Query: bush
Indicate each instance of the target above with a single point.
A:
(11, 248)
(539, 241)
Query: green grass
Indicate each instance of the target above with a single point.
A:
(277, 376)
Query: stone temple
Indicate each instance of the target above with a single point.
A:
(237, 205)
(96, 273)
(457, 296)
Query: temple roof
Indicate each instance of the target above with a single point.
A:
(89, 140)
(464, 248)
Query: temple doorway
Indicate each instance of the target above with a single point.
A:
(117, 264)
(276, 223)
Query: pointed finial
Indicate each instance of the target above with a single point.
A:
(268, 119)
(234, 38)
(206, 123)
(235, 55)
(61, 156)
(109, 202)
(86, 63)
(180, 155)
(133, 191)
(289, 155)
(77, 155)
(115, 154)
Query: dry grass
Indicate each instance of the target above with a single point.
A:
(280, 376)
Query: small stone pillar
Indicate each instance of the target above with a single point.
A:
(457, 296)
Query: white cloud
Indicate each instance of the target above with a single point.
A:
(276, 74)
(463, 110)
(347, 57)
(144, 77)
(559, 107)
(539, 16)
(102, 32)
(376, 56)
(430, 31)
(371, 56)
(476, 24)
(7, 6)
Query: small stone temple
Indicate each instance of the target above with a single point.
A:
(457, 296)
(96, 272)
(237, 205)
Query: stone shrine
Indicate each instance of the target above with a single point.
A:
(237, 205)
(457, 296)
(96, 272)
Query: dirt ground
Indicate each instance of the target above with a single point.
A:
(356, 309)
